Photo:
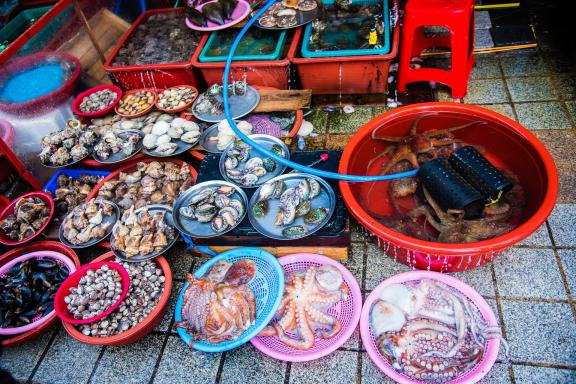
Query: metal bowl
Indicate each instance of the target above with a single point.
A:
(120, 156)
(267, 142)
(109, 219)
(265, 225)
(182, 147)
(239, 106)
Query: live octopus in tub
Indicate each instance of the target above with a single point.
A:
(305, 305)
(220, 306)
(428, 331)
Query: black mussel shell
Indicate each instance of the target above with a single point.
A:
(214, 13)
(196, 16)
(228, 7)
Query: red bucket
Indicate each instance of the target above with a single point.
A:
(507, 145)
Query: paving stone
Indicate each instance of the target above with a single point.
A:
(133, 363)
(528, 272)
(522, 65)
(337, 141)
(536, 375)
(539, 237)
(497, 375)
(372, 374)
(357, 231)
(67, 361)
(486, 67)
(478, 278)
(180, 364)
(19, 361)
(338, 367)
(340, 122)
(503, 109)
(355, 262)
(480, 91)
(562, 221)
(566, 85)
(531, 89)
(560, 62)
(180, 261)
(571, 105)
(169, 315)
(483, 38)
(568, 258)
(245, 364)
(354, 341)
(546, 115)
(540, 332)
(482, 20)
(380, 266)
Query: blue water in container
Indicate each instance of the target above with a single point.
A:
(32, 83)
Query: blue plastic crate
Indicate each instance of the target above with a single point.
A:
(308, 53)
(74, 173)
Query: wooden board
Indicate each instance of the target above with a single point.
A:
(274, 100)
(336, 253)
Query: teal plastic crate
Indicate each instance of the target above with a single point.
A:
(19, 25)
(250, 48)
(350, 34)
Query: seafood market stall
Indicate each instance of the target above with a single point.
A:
(230, 190)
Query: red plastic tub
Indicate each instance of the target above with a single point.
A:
(152, 76)
(45, 197)
(145, 327)
(34, 247)
(266, 73)
(102, 112)
(50, 100)
(507, 145)
(344, 74)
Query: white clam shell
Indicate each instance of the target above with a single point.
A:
(178, 122)
(160, 128)
(164, 139)
(175, 132)
(190, 137)
(150, 141)
(166, 148)
(190, 126)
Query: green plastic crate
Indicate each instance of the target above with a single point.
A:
(19, 25)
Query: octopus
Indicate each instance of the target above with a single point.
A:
(305, 303)
(220, 306)
(428, 331)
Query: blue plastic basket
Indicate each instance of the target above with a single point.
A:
(308, 53)
(268, 288)
(51, 185)
(276, 36)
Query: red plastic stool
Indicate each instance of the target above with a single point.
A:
(455, 15)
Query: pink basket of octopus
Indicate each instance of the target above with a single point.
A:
(483, 363)
(345, 310)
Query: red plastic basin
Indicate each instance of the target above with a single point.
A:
(35, 247)
(154, 75)
(78, 100)
(45, 197)
(507, 144)
(344, 74)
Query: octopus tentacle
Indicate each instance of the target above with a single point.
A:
(306, 334)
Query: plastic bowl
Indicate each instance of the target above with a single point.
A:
(507, 145)
(142, 113)
(369, 340)
(348, 312)
(145, 327)
(73, 281)
(268, 288)
(102, 112)
(53, 319)
(10, 210)
(180, 109)
(34, 255)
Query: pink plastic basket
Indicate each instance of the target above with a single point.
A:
(369, 340)
(348, 312)
(38, 320)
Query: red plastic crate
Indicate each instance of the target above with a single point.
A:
(157, 75)
(344, 74)
(265, 73)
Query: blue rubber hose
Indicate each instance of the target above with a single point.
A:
(264, 151)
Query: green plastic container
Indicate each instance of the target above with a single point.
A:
(19, 25)
(257, 44)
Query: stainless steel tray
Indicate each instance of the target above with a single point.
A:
(119, 156)
(108, 219)
(239, 106)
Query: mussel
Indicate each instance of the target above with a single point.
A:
(214, 12)
(196, 17)
(228, 7)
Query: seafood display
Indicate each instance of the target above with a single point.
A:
(30, 214)
(142, 234)
(217, 12)
(219, 306)
(149, 183)
(146, 287)
(209, 105)
(221, 135)
(289, 14)
(98, 101)
(428, 331)
(67, 146)
(417, 214)
(256, 42)
(161, 38)
(118, 146)
(240, 164)
(70, 193)
(303, 313)
(89, 223)
(28, 289)
(176, 98)
(135, 103)
(291, 206)
(97, 291)
(169, 137)
(219, 206)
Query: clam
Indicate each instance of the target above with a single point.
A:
(160, 127)
(150, 141)
(175, 132)
(166, 148)
(163, 139)
(190, 137)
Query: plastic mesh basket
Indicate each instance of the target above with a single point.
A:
(268, 288)
(369, 339)
(348, 312)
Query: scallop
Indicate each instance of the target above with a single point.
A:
(178, 122)
(163, 139)
(160, 128)
(175, 132)
(150, 141)
(190, 137)
(190, 126)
